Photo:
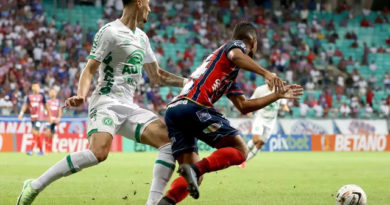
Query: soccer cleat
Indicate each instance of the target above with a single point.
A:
(28, 194)
(40, 153)
(166, 201)
(242, 165)
(189, 175)
(29, 153)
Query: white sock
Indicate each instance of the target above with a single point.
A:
(72, 163)
(252, 153)
(250, 145)
(162, 172)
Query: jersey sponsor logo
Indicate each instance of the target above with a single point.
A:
(216, 84)
(212, 128)
(133, 66)
(134, 63)
(108, 121)
(203, 115)
(108, 75)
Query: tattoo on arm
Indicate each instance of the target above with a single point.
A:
(170, 79)
(162, 77)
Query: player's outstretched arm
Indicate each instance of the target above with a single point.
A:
(245, 105)
(245, 62)
(162, 77)
(84, 84)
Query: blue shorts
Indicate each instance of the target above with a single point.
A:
(51, 127)
(36, 124)
(187, 122)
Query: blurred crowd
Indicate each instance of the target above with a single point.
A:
(33, 49)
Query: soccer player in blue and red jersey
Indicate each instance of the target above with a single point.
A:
(191, 116)
(35, 102)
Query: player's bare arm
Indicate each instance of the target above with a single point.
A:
(48, 112)
(162, 77)
(59, 116)
(84, 84)
(245, 62)
(245, 105)
(22, 111)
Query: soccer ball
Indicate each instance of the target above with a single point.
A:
(351, 194)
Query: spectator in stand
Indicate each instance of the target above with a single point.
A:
(328, 97)
(344, 110)
(350, 61)
(304, 107)
(373, 49)
(362, 86)
(378, 19)
(369, 96)
(338, 53)
(388, 41)
(342, 65)
(384, 108)
(6, 105)
(372, 81)
(386, 80)
(354, 44)
(366, 52)
(373, 66)
(368, 111)
(364, 23)
(381, 50)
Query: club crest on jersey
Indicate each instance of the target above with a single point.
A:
(108, 121)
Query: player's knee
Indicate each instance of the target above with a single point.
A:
(244, 151)
(155, 134)
(100, 155)
(256, 140)
(100, 146)
(260, 144)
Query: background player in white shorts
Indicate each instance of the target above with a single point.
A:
(264, 120)
(120, 50)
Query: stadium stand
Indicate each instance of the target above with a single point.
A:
(341, 57)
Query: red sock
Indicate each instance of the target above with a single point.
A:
(34, 142)
(178, 190)
(220, 159)
(39, 142)
(49, 142)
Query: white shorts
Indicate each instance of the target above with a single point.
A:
(128, 120)
(258, 128)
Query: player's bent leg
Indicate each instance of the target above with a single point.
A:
(258, 143)
(231, 151)
(179, 187)
(98, 151)
(100, 144)
(155, 134)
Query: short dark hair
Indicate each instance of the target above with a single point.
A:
(244, 31)
(127, 2)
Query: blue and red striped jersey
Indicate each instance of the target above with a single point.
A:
(215, 77)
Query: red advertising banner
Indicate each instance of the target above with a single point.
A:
(70, 136)
(351, 143)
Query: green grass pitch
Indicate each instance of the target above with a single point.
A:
(270, 178)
